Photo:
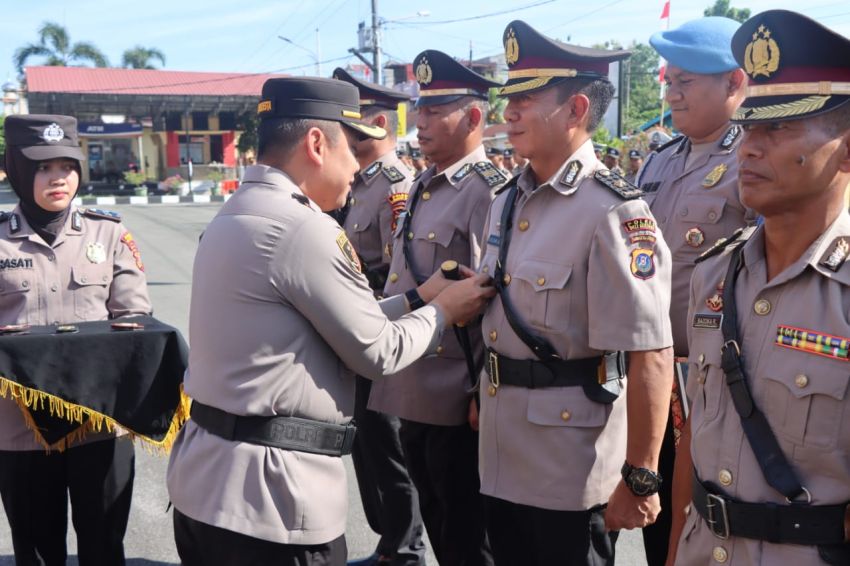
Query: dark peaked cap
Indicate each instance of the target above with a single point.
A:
(43, 136)
(536, 62)
(442, 79)
(797, 67)
(316, 98)
(372, 94)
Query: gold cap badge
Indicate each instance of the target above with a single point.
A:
(761, 57)
(424, 75)
(511, 48)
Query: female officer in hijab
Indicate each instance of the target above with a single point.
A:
(61, 264)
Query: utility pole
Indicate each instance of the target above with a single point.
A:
(376, 44)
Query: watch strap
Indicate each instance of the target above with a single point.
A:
(414, 299)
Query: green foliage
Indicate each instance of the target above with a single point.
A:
(497, 107)
(722, 8)
(134, 178)
(247, 123)
(54, 45)
(142, 57)
(2, 139)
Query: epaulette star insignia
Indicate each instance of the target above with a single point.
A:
(462, 172)
(392, 174)
(102, 214)
(490, 174)
(618, 184)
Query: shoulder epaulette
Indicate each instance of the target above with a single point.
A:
(618, 184)
(507, 185)
(301, 198)
(740, 236)
(102, 214)
(392, 174)
(492, 176)
(670, 143)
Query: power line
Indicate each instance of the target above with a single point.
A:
(482, 16)
(582, 16)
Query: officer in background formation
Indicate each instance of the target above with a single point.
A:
(635, 163)
(692, 189)
(378, 196)
(72, 265)
(280, 310)
(765, 462)
(444, 221)
(497, 158)
(583, 278)
(612, 161)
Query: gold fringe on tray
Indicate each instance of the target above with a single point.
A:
(29, 399)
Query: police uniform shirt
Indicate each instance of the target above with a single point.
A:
(803, 394)
(93, 271)
(573, 275)
(695, 204)
(279, 309)
(447, 224)
(378, 196)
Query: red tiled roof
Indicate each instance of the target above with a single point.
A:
(143, 81)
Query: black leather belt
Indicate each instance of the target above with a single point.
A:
(794, 523)
(288, 433)
(535, 374)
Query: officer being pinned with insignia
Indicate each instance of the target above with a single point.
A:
(62, 264)
(377, 199)
(692, 188)
(444, 221)
(256, 475)
(583, 279)
(763, 469)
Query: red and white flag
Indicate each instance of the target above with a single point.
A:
(665, 15)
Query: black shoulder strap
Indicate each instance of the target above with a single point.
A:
(407, 235)
(772, 461)
(670, 143)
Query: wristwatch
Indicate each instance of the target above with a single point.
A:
(414, 299)
(641, 481)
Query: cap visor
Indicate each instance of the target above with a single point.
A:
(45, 152)
(439, 99)
(373, 132)
(525, 86)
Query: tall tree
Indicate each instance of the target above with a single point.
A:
(722, 8)
(55, 46)
(142, 57)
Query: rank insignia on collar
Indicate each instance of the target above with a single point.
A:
(348, 251)
(490, 174)
(819, 343)
(392, 174)
(643, 263)
(302, 199)
(835, 257)
(14, 223)
(77, 221)
(571, 174)
(96, 252)
(707, 321)
(462, 172)
(695, 237)
(714, 176)
(372, 170)
(730, 137)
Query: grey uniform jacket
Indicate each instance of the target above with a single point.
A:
(93, 271)
(279, 309)
(803, 394)
(447, 224)
(695, 207)
(378, 196)
(589, 272)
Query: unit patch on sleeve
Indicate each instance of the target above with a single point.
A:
(398, 202)
(128, 240)
(639, 225)
(490, 174)
(643, 263)
(348, 251)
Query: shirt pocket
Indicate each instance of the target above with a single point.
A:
(361, 238)
(544, 293)
(703, 209)
(90, 288)
(565, 407)
(706, 380)
(806, 395)
(17, 293)
(432, 245)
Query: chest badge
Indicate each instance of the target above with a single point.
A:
(714, 176)
(95, 252)
(695, 237)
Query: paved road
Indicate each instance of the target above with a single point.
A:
(168, 236)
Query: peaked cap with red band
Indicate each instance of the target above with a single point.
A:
(536, 62)
(442, 79)
(797, 67)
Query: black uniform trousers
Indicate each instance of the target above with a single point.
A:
(656, 536)
(35, 487)
(200, 544)
(443, 463)
(389, 497)
(521, 535)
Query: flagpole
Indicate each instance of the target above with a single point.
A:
(665, 11)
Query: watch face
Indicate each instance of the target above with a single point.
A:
(643, 482)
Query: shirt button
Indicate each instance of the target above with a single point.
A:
(762, 307)
(353, 201)
(541, 281)
(701, 359)
(410, 235)
(493, 335)
(485, 269)
(25, 284)
(51, 257)
(439, 349)
(393, 277)
(523, 225)
(426, 196)
(53, 287)
(506, 279)
(83, 279)
(491, 391)
(683, 212)
(725, 477)
(431, 235)
(712, 215)
(105, 278)
(356, 225)
(801, 380)
(719, 554)
(565, 415)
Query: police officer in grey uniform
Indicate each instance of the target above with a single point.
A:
(377, 198)
(765, 461)
(612, 161)
(280, 311)
(444, 221)
(635, 163)
(692, 189)
(67, 265)
(583, 277)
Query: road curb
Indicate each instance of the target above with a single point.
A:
(163, 199)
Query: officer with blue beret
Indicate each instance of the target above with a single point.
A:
(691, 186)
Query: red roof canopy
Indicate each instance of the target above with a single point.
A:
(142, 81)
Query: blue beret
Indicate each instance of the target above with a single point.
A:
(701, 46)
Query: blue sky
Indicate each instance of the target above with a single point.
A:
(227, 35)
